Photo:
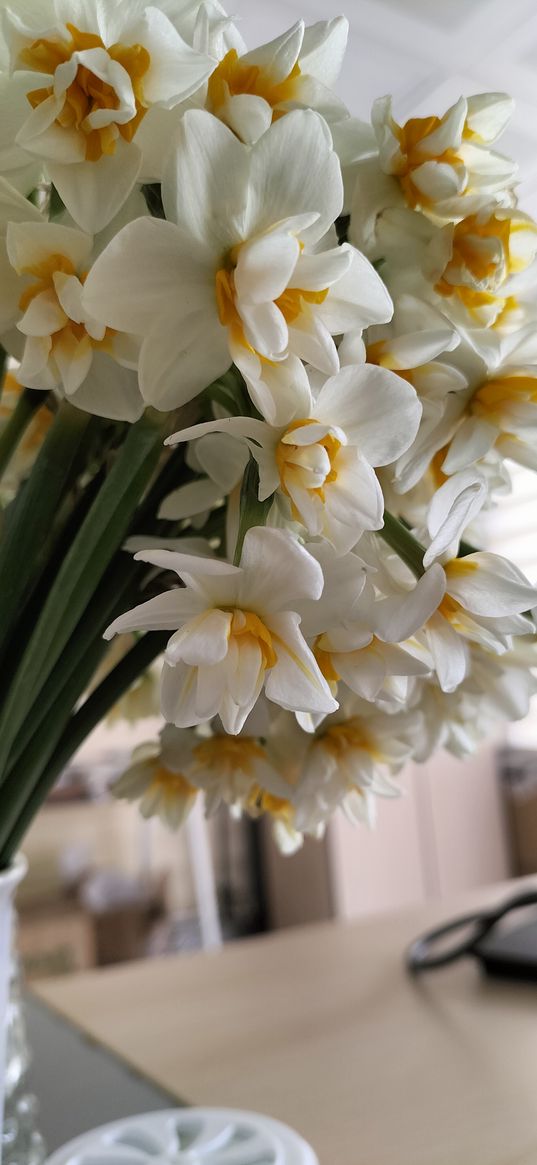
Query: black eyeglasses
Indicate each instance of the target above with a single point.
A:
(464, 936)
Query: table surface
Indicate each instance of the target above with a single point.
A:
(322, 1028)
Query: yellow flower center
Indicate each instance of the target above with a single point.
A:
(170, 786)
(43, 276)
(280, 808)
(412, 138)
(291, 302)
(496, 396)
(248, 627)
(87, 93)
(450, 608)
(286, 458)
(350, 734)
(325, 661)
(234, 76)
(489, 267)
(231, 752)
(436, 473)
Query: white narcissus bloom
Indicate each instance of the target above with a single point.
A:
(490, 265)
(443, 166)
(237, 273)
(236, 631)
(93, 71)
(249, 90)
(44, 323)
(499, 409)
(321, 465)
(351, 757)
(155, 778)
(481, 598)
(238, 771)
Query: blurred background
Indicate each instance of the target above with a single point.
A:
(103, 885)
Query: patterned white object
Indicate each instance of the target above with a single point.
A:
(189, 1136)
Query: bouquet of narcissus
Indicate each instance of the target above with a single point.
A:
(266, 365)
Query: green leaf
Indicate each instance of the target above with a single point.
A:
(31, 515)
(48, 756)
(98, 538)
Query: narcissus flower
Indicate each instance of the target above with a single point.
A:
(250, 90)
(320, 466)
(155, 778)
(236, 631)
(43, 321)
(491, 252)
(444, 166)
(480, 598)
(93, 72)
(238, 272)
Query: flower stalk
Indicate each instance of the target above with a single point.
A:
(399, 538)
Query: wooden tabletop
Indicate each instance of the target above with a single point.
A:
(321, 1027)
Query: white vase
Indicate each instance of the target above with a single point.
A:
(9, 880)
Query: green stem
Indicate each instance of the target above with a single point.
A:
(28, 403)
(78, 728)
(252, 511)
(98, 538)
(403, 542)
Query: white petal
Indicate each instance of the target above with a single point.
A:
(471, 442)
(323, 49)
(452, 508)
(201, 641)
(247, 115)
(43, 316)
(94, 192)
(355, 497)
(165, 612)
(176, 366)
(280, 391)
(207, 170)
(73, 358)
(265, 266)
(223, 458)
(311, 341)
(265, 329)
(279, 572)
(31, 243)
(278, 57)
(487, 584)
(295, 681)
(449, 651)
(42, 136)
(109, 390)
(379, 412)
(294, 170)
(188, 500)
(178, 695)
(358, 299)
(177, 278)
(315, 272)
(400, 616)
(176, 70)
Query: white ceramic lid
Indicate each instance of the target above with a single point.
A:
(189, 1136)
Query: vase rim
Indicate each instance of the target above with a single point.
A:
(14, 873)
